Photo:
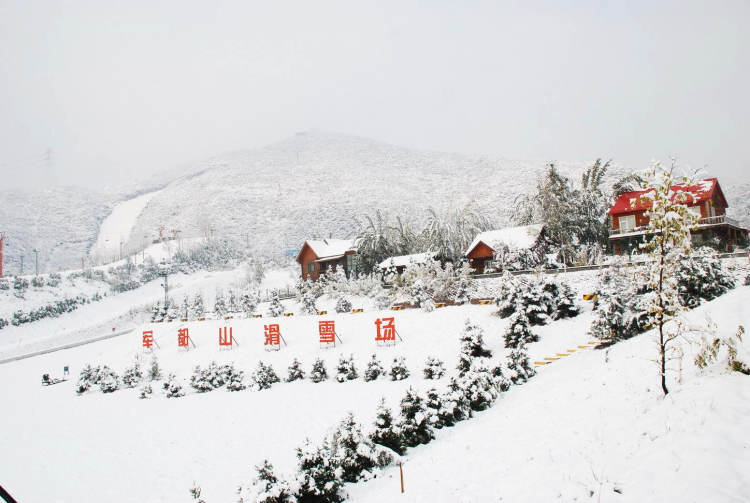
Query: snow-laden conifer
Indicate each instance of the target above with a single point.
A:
(434, 368)
(318, 478)
(295, 371)
(264, 376)
(318, 372)
(275, 307)
(385, 431)
(519, 331)
(346, 370)
(267, 487)
(399, 370)
(413, 422)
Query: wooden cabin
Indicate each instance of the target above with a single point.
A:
(319, 256)
(486, 251)
(628, 220)
(402, 261)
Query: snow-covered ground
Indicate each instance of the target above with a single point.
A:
(587, 425)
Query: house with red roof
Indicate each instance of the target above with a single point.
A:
(320, 256)
(628, 219)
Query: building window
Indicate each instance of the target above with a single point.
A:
(695, 210)
(310, 268)
(627, 223)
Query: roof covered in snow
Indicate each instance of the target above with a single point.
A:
(634, 201)
(328, 248)
(404, 260)
(524, 236)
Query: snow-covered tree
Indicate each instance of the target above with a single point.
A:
(343, 305)
(196, 307)
(701, 276)
(463, 287)
(295, 371)
(357, 455)
(433, 368)
(374, 369)
(220, 305)
(667, 239)
(399, 371)
(109, 381)
(146, 391)
(172, 387)
(318, 372)
(264, 376)
(235, 378)
(154, 371)
(266, 487)
(345, 370)
(275, 308)
(173, 311)
(210, 378)
(435, 409)
(318, 475)
(519, 367)
(385, 432)
(478, 385)
(249, 301)
(133, 375)
(185, 308)
(456, 406)
(472, 346)
(156, 313)
(89, 376)
(307, 305)
(413, 422)
(519, 331)
(232, 306)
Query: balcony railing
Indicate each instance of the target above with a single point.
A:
(703, 222)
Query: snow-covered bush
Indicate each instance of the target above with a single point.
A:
(498, 376)
(197, 310)
(146, 391)
(4, 285)
(20, 283)
(220, 305)
(472, 346)
(173, 387)
(232, 305)
(307, 305)
(264, 376)
(747, 280)
(3, 323)
(345, 370)
(413, 422)
(133, 375)
(399, 371)
(519, 331)
(701, 276)
(519, 366)
(295, 371)
(385, 432)
(710, 349)
(235, 378)
(433, 368)
(266, 487)
(318, 477)
(154, 371)
(210, 378)
(455, 404)
(318, 372)
(435, 409)
(249, 301)
(37, 281)
(479, 386)
(109, 381)
(619, 312)
(560, 298)
(89, 376)
(53, 280)
(357, 455)
(374, 369)
(275, 308)
(343, 305)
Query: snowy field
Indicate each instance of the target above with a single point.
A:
(118, 225)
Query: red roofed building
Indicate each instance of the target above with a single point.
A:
(628, 220)
(319, 256)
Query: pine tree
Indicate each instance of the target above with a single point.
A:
(295, 371)
(156, 313)
(463, 286)
(276, 308)
(413, 421)
(196, 308)
(172, 387)
(132, 375)
(345, 370)
(220, 306)
(399, 371)
(479, 386)
(232, 306)
(518, 331)
(385, 432)
(146, 391)
(249, 301)
(343, 305)
(308, 303)
(154, 371)
(264, 376)
(266, 487)
(519, 366)
(318, 475)
(185, 308)
(357, 455)
(472, 346)
(318, 372)
(235, 379)
(109, 381)
(434, 368)
(456, 406)
(374, 369)
(435, 409)
(89, 376)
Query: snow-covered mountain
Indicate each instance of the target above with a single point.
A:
(312, 184)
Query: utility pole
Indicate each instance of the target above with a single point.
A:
(2, 239)
(165, 274)
(36, 261)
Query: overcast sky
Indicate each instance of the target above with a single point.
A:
(101, 91)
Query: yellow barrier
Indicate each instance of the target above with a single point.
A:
(437, 306)
(551, 359)
(562, 354)
(322, 312)
(397, 308)
(228, 317)
(357, 310)
(571, 351)
(257, 316)
(201, 319)
(541, 363)
(288, 314)
(486, 302)
(183, 319)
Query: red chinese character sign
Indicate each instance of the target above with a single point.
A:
(327, 332)
(272, 337)
(148, 339)
(385, 331)
(183, 339)
(226, 338)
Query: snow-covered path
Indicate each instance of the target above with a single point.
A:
(117, 226)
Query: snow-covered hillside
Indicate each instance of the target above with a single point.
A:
(592, 426)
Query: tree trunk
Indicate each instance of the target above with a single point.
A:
(660, 319)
